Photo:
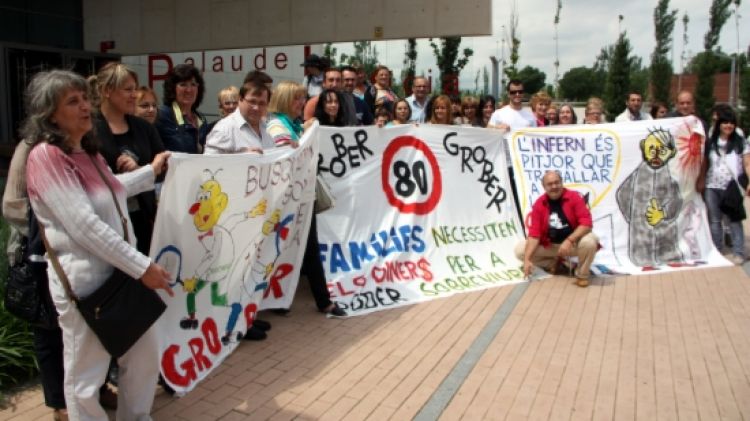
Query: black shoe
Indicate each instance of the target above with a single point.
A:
(254, 334)
(188, 323)
(163, 383)
(262, 325)
(280, 311)
(337, 311)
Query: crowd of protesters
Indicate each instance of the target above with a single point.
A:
(74, 125)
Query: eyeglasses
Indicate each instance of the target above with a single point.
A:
(146, 105)
(515, 92)
(255, 103)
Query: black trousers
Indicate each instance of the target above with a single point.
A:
(48, 347)
(143, 228)
(312, 268)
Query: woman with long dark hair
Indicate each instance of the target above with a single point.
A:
(727, 160)
(487, 105)
(328, 110)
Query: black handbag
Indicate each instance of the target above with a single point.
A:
(122, 309)
(732, 199)
(27, 288)
(27, 295)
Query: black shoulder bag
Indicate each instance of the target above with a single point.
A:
(27, 289)
(122, 309)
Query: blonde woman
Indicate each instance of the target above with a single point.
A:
(594, 111)
(441, 110)
(539, 103)
(229, 98)
(127, 142)
(285, 114)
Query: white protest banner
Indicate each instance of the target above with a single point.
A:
(231, 230)
(421, 212)
(638, 178)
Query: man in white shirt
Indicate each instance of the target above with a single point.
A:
(244, 130)
(512, 117)
(418, 99)
(633, 109)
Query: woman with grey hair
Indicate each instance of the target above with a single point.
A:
(73, 193)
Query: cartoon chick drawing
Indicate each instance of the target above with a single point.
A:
(218, 243)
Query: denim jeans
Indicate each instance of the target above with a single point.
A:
(712, 198)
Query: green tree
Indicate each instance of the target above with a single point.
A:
(329, 52)
(533, 79)
(575, 84)
(639, 76)
(661, 63)
(706, 65)
(618, 77)
(365, 55)
(410, 65)
(485, 81)
(601, 69)
(722, 61)
(448, 62)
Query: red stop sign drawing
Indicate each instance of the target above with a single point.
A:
(411, 178)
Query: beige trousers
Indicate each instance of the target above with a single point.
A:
(545, 257)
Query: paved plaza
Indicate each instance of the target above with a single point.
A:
(664, 346)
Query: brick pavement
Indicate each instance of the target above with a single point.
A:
(664, 346)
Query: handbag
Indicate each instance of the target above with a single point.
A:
(27, 294)
(122, 309)
(324, 199)
(733, 196)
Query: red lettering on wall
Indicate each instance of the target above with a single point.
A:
(280, 61)
(238, 67)
(262, 57)
(218, 64)
(154, 77)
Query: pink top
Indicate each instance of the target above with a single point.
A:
(79, 216)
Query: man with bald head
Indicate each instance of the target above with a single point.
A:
(560, 226)
(684, 106)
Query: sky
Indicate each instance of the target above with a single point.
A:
(585, 27)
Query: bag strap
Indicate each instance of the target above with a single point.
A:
(56, 265)
(734, 176)
(123, 219)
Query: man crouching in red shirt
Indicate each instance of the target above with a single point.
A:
(561, 224)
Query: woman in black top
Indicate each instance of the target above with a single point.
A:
(127, 142)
